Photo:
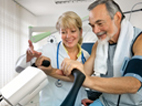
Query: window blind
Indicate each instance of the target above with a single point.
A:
(14, 23)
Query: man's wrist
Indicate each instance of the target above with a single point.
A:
(87, 79)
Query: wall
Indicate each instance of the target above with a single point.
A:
(89, 36)
(14, 23)
(125, 5)
(51, 21)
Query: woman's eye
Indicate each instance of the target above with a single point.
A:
(63, 32)
(73, 31)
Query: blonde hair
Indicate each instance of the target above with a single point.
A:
(68, 20)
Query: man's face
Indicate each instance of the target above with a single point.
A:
(102, 24)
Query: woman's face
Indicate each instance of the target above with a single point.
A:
(70, 36)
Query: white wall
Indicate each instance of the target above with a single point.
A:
(47, 20)
(136, 19)
(51, 21)
(125, 5)
(14, 23)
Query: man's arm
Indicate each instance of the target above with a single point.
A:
(137, 47)
(117, 85)
(89, 64)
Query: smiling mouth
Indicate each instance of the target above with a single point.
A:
(100, 33)
(101, 36)
(69, 41)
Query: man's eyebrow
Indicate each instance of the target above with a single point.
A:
(99, 21)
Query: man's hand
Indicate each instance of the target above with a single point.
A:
(68, 65)
(31, 52)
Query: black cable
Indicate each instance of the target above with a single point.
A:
(1, 98)
(118, 100)
(132, 11)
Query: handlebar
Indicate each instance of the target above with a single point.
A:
(45, 63)
(71, 97)
(79, 78)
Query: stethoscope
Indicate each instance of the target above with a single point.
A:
(83, 59)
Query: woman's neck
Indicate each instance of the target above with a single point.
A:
(73, 52)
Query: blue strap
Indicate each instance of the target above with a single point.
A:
(58, 57)
(58, 54)
(83, 59)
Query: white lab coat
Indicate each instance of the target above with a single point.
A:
(51, 95)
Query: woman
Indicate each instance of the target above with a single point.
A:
(69, 26)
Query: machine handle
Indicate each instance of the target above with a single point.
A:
(71, 97)
(45, 63)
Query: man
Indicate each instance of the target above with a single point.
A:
(119, 83)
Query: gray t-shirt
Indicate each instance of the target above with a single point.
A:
(126, 99)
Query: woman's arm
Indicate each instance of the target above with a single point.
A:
(53, 72)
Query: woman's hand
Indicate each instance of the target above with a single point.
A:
(39, 62)
(85, 102)
(31, 52)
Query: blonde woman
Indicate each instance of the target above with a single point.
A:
(69, 26)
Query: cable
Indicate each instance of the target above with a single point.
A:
(127, 12)
(1, 98)
(133, 8)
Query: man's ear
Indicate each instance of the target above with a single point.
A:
(118, 16)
